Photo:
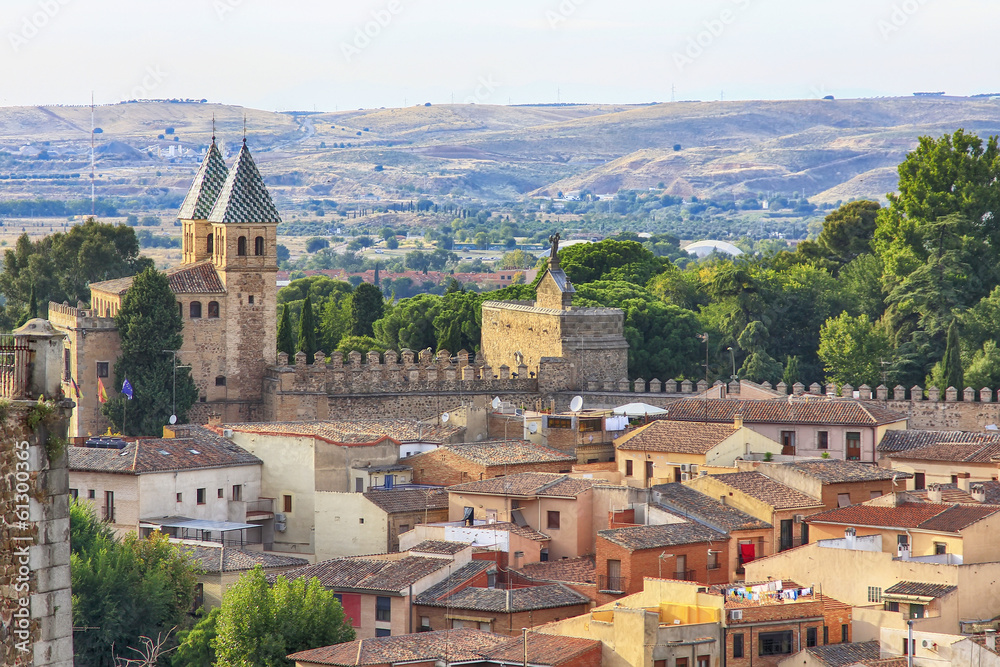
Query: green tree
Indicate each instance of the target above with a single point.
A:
(458, 323)
(362, 344)
(953, 375)
(609, 260)
(286, 343)
(410, 324)
(123, 589)
(307, 331)
(316, 243)
(392, 243)
(417, 260)
(791, 372)
(32, 305)
(848, 231)
(517, 259)
(196, 646)
(367, 306)
(259, 625)
(853, 349)
(984, 368)
(758, 365)
(149, 323)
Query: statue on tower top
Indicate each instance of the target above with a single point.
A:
(554, 255)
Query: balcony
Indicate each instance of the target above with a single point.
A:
(606, 584)
(685, 575)
(260, 509)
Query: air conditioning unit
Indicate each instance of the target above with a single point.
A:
(685, 476)
(279, 518)
(685, 467)
(735, 614)
(280, 527)
(799, 518)
(227, 433)
(693, 468)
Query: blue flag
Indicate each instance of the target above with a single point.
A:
(127, 389)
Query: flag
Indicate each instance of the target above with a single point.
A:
(102, 393)
(127, 389)
(76, 387)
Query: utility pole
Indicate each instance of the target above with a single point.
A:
(173, 408)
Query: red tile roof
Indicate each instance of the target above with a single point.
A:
(527, 484)
(925, 516)
(354, 431)
(507, 452)
(370, 574)
(765, 489)
(580, 570)
(958, 452)
(676, 437)
(197, 278)
(790, 410)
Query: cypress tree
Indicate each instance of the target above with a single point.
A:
(953, 375)
(286, 343)
(307, 331)
(32, 304)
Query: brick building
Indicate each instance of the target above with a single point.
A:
(466, 646)
(943, 457)
(220, 567)
(685, 551)
(836, 483)
(457, 463)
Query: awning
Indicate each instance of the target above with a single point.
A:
(638, 410)
(195, 524)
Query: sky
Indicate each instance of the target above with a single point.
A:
(332, 55)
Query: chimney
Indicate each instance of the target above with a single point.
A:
(737, 421)
(978, 493)
(964, 480)
(849, 535)
(934, 493)
(991, 639)
(722, 499)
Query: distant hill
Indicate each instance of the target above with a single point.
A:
(828, 150)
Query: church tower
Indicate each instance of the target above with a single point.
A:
(244, 231)
(204, 192)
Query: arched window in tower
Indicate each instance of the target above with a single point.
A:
(258, 246)
(241, 246)
(210, 248)
(195, 309)
(213, 309)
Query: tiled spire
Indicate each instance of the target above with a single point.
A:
(244, 197)
(207, 185)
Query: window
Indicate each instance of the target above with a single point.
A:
(786, 534)
(67, 358)
(220, 493)
(823, 440)
(940, 548)
(241, 246)
(826, 635)
(213, 309)
(843, 499)
(845, 633)
(737, 644)
(109, 515)
(872, 495)
(237, 492)
(250, 299)
(383, 608)
(907, 645)
(102, 368)
(954, 479)
(200, 493)
(775, 643)
(628, 467)
(590, 425)
(918, 481)
(811, 637)
(903, 540)
(892, 606)
(286, 503)
(659, 663)
(853, 446)
(553, 520)
(75, 493)
(713, 560)
(359, 485)
(484, 626)
(195, 310)
(469, 516)
(91, 494)
(383, 632)
(258, 246)
(425, 622)
(704, 661)
(916, 611)
(788, 442)
(560, 422)
(404, 527)
(180, 497)
(220, 380)
(210, 243)
(681, 662)
(874, 594)
(649, 470)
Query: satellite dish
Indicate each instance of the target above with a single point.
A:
(533, 427)
(496, 402)
(445, 417)
(173, 419)
(576, 404)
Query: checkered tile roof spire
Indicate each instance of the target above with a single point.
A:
(244, 197)
(207, 185)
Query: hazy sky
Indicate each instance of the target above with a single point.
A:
(330, 54)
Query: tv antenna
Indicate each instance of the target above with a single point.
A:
(576, 404)
(445, 417)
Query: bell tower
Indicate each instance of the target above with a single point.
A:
(198, 241)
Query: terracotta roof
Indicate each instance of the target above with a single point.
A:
(196, 278)
(959, 452)
(244, 197)
(834, 471)
(507, 601)
(765, 489)
(691, 503)
(676, 436)
(925, 516)
(527, 484)
(662, 535)
(199, 450)
(439, 547)
(903, 440)
(395, 501)
(458, 579)
(580, 570)
(451, 646)
(465, 644)
(919, 589)
(206, 187)
(370, 573)
(832, 411)
(950, 493)
(355, 431)
(842, 655)
(507, 452)
(226, 559)
(508, 527)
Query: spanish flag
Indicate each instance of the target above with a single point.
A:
(102, 393)
(76, 387)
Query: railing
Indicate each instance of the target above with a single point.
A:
(260, 506)
(15, 355)
(611, 584)
(685, 575)
(795, 542)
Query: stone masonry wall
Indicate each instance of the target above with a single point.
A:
(36, 624)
